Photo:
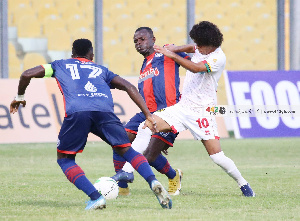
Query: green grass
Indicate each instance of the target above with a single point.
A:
(33, 187)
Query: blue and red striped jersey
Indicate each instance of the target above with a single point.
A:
(159, 81)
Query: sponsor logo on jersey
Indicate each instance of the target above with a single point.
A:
(148, 73)
(158, 55)
(163, 134)
(90, 87)
(93, 95)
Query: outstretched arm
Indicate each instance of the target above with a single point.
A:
(187, 64)
(189, 48)
(124, 85)
(36, 72)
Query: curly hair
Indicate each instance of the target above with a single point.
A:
(206, 33)
(81, 47)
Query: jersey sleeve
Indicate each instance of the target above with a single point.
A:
(50, 68)
(109, 76)
(215, 62)
(184, 55)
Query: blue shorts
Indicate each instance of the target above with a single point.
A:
(134, 123)
(76, 127)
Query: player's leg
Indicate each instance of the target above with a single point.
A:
(158, 143)
(205, 129)
(139, 144)
(113, 132)
(75, 128)
(215, 152)
(124, 173)
(77, 176)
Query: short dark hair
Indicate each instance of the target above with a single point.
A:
(206, 33)
(81, 47)
(149, 30)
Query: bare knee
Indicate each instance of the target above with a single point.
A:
(154, 149)
(121, 150)
(63, 156)
(131, 136)
(149, 156)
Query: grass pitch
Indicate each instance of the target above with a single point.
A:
(33, 187)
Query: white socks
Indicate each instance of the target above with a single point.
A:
(229, 167)
(139, 144)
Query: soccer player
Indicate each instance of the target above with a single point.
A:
(89, 108)
(199, 92)
(159, 86)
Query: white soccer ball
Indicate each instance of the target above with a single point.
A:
(108, 187)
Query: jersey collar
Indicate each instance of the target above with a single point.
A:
(83, 59)
(150, 56)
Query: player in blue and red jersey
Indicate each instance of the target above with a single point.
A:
(89, 108)
(159, 85)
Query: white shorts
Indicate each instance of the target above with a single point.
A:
(180, 119)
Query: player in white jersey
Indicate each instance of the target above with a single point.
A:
(199, 92)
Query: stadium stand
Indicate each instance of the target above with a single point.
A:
(14, 62)
(33, 59)
(47, 11)
(39, 4)
(83, 33)
(248, 28)
(59, 42)
(29, 27)
(21, 11)
(51, 23)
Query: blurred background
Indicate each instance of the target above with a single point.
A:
(256, 32)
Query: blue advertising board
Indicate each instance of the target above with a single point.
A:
(273, 98)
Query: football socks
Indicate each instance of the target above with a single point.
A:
(76, 176)
(140, 164)
(162, 165)
(229, 167)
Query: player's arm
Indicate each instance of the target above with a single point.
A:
(187, 64)
(189, 48)
(124, 85)
(36, 72)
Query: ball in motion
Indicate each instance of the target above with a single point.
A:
(108, 187)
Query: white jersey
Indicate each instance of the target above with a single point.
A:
(200, 89)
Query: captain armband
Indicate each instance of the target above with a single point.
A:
(48, 70)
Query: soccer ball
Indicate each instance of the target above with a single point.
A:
(108, 187)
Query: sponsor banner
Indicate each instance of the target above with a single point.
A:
(35, 122)
(41, 119)
(264, 103)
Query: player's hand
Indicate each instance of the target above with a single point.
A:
(151, 124)
(14, 106)
(171, 47)
(164, 51)
(165, 152)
